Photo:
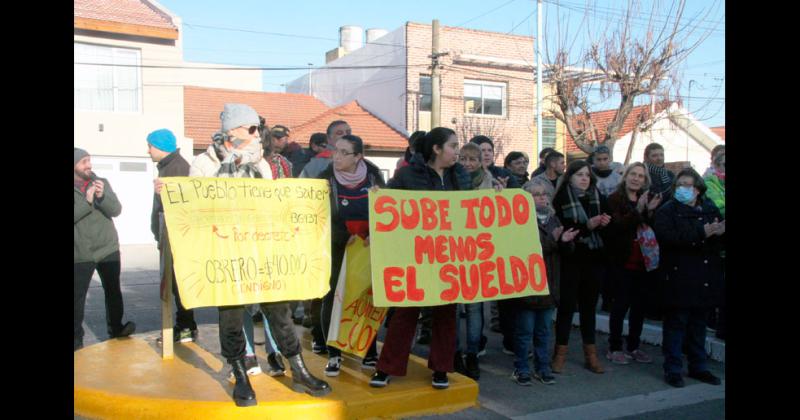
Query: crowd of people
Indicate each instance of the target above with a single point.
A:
(646, 240)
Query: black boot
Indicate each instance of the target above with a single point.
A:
(275, 364)
(458, 363)
(304, 381)
(472, 368)
(243, 394)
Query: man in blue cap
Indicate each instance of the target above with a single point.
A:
(163, 149)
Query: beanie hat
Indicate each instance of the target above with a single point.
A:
(79, 154)
(238, 115)
(163, 140)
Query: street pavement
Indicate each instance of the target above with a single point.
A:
(634, 391)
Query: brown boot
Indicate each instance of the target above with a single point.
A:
(559, 358)
(590, 354)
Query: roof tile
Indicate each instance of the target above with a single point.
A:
(601, 120)
(135, 12)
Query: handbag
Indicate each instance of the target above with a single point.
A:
(646, 238)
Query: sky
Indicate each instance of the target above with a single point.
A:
(231, 32)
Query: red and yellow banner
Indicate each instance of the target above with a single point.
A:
(433, 248)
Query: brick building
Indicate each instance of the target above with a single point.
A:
(487, 85)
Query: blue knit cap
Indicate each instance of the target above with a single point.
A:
(163, 140)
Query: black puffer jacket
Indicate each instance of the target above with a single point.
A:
(621, 232)
(172, 165)
(498, 172)
(419, 176)
(691, 262)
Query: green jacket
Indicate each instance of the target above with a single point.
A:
(716, 192)
(94, 234)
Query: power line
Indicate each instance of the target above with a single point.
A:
(252, 68)
(486, 13)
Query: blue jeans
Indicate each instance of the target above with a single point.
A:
(533, 325)
(247, 326)
(691, 325)
(474, 315)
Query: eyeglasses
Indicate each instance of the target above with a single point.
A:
(252, 129)
(343, 153)
(540, 195)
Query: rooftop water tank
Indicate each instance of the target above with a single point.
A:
(351, 37)
(375, 33)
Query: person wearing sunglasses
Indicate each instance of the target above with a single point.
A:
(236, 152)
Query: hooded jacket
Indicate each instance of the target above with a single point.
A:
(419, 176)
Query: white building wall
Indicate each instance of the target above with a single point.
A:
(382, 91)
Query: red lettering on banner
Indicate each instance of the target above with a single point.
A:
(521, 209)
(486, 278)
(470, 290)
(444, 212)
(456, 248)
(343, 321)
(470, 206)
(519, 273)
(414, 293)
(505, 288)
(409, 221)
(385, 204)
(390, 281)
(423, 246)
(441, 249)
(503, 211)
(486, 245)
(446, 274)
(486, 219)
(535, 260)
(428, 214)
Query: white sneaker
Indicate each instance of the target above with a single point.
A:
(334, 366)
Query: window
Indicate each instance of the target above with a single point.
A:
(425, 90)
(484, 98)
(106, 88)
(548, 132)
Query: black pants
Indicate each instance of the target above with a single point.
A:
(279, 316)
(508, 317)
(184, 318)
(629, 293)
(580, 285)
(109, 271)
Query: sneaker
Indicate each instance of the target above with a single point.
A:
(379, 379)
(545, 378)
(440, 381)
(194, 335)
(126, 330)
(639, 356)
(334, 366)
(706, 377)
(509, 352)
(319, 348)
(275, 365)
(617, 357)
(185, 336)
(674, 379)
(482, 346)
(369, 361)
(523, 379)
(251, 364)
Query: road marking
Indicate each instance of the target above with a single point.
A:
(629, 406)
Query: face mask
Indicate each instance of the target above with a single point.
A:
(684, 194)
(250, 153)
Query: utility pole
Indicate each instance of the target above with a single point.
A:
(535, 158)
(436, 100)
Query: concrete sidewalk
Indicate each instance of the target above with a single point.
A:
(634, 391)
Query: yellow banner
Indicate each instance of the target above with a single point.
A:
(238, 241)
(354, 319)
(433, 248)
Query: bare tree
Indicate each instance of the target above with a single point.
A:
(625, 62)
(493, 128)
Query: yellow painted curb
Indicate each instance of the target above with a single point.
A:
(127, 379)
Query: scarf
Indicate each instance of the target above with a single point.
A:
(574, 210)
(544, 214)
(248, 161)
(281, 168)
(352, 179)
(658, 173)
(477, 178)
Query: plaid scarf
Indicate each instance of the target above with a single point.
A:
(229, 168)
(281, 168)
(574, 210)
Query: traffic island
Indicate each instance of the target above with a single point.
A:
(128, 379)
